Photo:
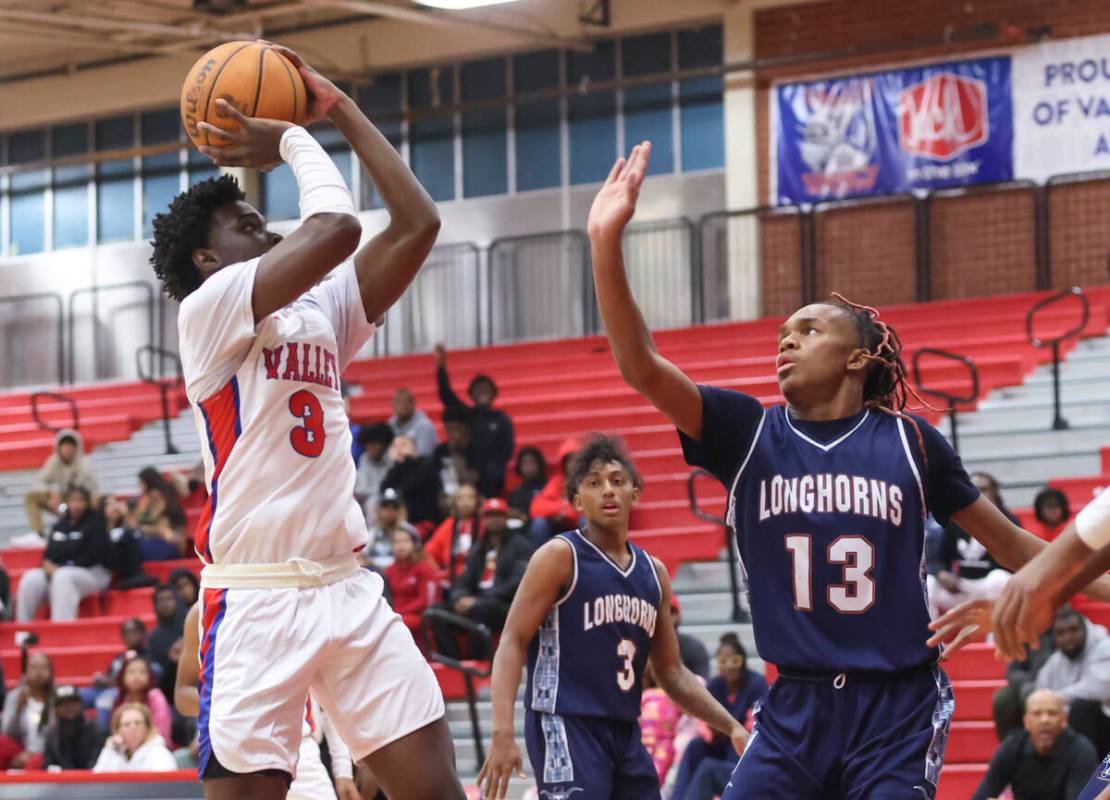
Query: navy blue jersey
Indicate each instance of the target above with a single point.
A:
(829, 525)
(588, 656)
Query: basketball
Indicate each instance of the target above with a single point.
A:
(254, 78)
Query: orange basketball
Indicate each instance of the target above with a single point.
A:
(254, 78)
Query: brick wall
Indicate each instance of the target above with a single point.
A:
(984, 245)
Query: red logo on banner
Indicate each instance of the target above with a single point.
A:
(943, 116)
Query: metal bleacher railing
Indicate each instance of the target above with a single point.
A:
(900, 249)
(1058, 421)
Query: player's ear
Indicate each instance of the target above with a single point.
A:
(577, 503)
(206, 260)
(858, 360)
(635, 495)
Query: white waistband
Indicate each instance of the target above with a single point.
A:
(296, 572)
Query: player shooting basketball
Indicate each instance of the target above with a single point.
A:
(264, 338)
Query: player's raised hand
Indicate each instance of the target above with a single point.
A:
(616, 202)
(323, 95)
(256, 144)
(962, 624)
(504, 760)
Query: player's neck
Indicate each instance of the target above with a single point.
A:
(846, 402)
(611, 541)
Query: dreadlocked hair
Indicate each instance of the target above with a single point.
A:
(184, 228)
(886, 385)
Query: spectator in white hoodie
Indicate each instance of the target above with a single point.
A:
(1079, 671)
(66, 468)
(134, 745)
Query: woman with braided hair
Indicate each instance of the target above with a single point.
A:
(827, 495)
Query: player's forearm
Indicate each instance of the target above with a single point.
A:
(186, 699)
(508, 663)
(1072, 566)
(692, 697)
(628, 333)
(410, 208)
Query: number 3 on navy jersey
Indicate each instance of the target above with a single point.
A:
(307, 439)
(626, 675)
(857, 555)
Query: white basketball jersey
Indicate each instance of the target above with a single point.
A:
(272, 424)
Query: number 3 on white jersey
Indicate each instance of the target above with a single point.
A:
(626, 675)
(857, 592)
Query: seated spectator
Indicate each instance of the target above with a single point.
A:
(28, 714)
(457, 457)
(485, 590)
(451, 543)
(136, 683)
(1052, 511)
(346, 391)
(170, 615)
(124, 557)
(132, 633)
(416, 479)
(408, 420)
(72, 565)
(392, 516)
(967, 570)
(373, 465)
(72, 742)
(692, 652)
(1045, 761)
(531, 468)
(135, 744)
(551, 511)
(707, 763)
(1079, 671)
(412, 578)
(491, 430)
(66, 468)
(158, 516)
(187, 586)
(1021, 678)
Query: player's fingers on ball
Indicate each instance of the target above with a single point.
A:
(231, 110)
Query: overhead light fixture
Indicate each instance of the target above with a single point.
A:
(459, 5)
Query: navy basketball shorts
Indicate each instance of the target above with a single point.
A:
(847, 737)
(1098, 783)
(588, 758)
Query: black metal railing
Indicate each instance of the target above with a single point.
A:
(157, 358)
(951, 398)
(1058, 421)
(729, 540)
(57, 397)
(470, 670)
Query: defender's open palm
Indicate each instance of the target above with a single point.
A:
(504, 761)
(616, 202)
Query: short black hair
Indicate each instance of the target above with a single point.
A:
(456, 413)
(1047, 495)
(479, 379)
(68, 438)
(164, 587)
(184, 228)
(133, 622)
(535, 453)
(602, 448)
(1066, 612)
(732, 641)
(379, 432)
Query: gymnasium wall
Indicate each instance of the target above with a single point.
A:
(983, 242)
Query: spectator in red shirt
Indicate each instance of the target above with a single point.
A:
(451, 541)
(485, 589)
(413, 580)
(551, 512)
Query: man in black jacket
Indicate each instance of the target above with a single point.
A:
(1046, 761)
(485, 590)
(73, 564)
(491, 430)
(72, 741)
